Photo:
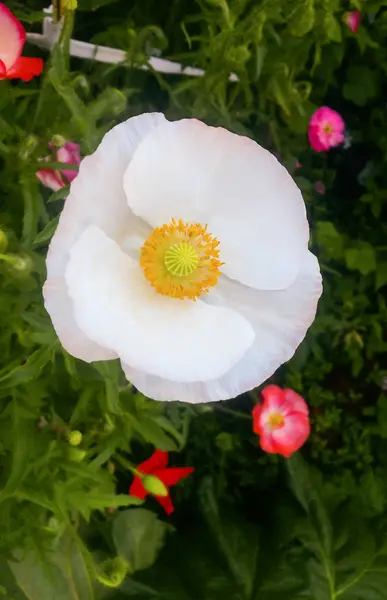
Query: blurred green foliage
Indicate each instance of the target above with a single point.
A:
(68, 529)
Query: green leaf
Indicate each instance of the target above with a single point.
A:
(302, 18)
(46, 234)
(328, 237)
(138, 536)
(381, 274)
(61, 573)
(361, 85)
(361, 259)
(30, 369)
(111, 102)
(332, 27)
(134, 588)
(238, 544)
(316, 531)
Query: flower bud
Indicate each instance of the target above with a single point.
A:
(113, 571)
(154, 486)
(76, 454)
(21, 263)
(58, 140)
(74, 438)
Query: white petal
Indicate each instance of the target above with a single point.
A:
(280, 320)
(208, 175)
(96, 197)
(117, 308)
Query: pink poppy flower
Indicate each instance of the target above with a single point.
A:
(68, 153)
(282, 421)
(326, 129)
(352, 19)
(12, 39)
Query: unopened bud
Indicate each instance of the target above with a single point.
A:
(58, 140)
(22, 264)
(74, 438)
(154, 486)
(76, 454)
(113, 571)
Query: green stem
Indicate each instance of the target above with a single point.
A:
(233, 413)
(127, 465)
(14, 260)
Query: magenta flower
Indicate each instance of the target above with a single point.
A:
(68, 153)
(282, 421)
(352, 19)
(326, 129)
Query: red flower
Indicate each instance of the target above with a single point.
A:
(282, 421)
(156, 466)
(12, 38)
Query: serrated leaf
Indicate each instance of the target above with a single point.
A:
(30, 369)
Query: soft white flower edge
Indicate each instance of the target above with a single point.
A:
(280, 326)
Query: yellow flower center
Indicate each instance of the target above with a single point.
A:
(181, 260)
(276, 420)
(327, 128)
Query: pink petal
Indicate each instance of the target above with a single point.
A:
(336, 139)
(267, 442)
(352, 19)
(315, 141)
(294, 403)
(69, 153)
(320, 139)
(273, 398)
(257, 411)
(12, 37)
(50, 179)
(25, 68)
(293, 435)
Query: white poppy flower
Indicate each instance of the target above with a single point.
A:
(182, 249)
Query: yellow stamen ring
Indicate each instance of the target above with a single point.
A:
(181, 260)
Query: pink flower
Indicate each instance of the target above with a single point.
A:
(352, 19)
(319, 187)
(12, 39)
(282, 421)
(68, 153)
(326, 129)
